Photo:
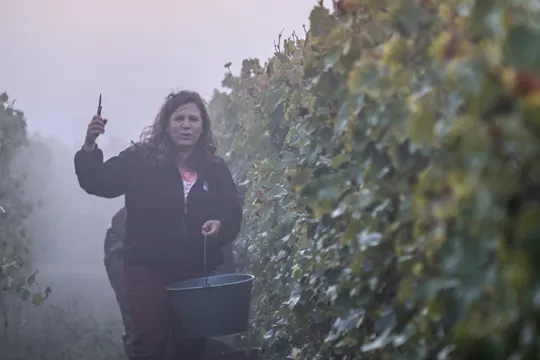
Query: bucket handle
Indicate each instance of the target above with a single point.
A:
(205, 266)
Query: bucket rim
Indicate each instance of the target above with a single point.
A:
(249, 278)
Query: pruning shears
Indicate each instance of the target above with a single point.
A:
(99, 107)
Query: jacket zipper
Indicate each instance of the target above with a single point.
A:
(184, 198)
(184, 230)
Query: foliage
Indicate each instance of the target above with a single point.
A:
(392, 200)
(14, 244)
(32, 172)
(69, 331)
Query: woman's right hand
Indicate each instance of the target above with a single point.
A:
(95, 128)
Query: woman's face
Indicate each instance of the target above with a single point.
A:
(186, 125)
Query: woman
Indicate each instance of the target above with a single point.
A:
(177, 192)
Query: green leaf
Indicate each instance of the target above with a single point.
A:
(523, 49)
(332, 57)
(37, 299)
(321, 22)
(339, 160)
(273, 100)
(364, 77)
(409, 16)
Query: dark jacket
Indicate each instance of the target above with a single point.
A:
(114, 236)
(158, 228)
(118, 222)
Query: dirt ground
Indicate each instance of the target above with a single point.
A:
(79, 321)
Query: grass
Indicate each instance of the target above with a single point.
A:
(79, 321)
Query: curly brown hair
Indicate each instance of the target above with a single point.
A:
(155, 141)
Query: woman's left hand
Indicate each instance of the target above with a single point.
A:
(211, 227)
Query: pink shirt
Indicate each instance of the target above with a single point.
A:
(188, 178)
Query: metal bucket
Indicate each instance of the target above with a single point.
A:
(213, 306)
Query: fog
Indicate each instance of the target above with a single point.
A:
(66, 230)
(57, 56)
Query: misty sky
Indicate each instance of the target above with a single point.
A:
(56, 56)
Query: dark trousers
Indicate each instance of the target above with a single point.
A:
(115, 272)
(157, 333)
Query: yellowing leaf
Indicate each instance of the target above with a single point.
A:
(299, 178)
(364, 74)
(322, 207)
(339, 160)
(517, 270)
(528, 223)
(394, 49)
(418, 269)
(406, 289)
(421, 123)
